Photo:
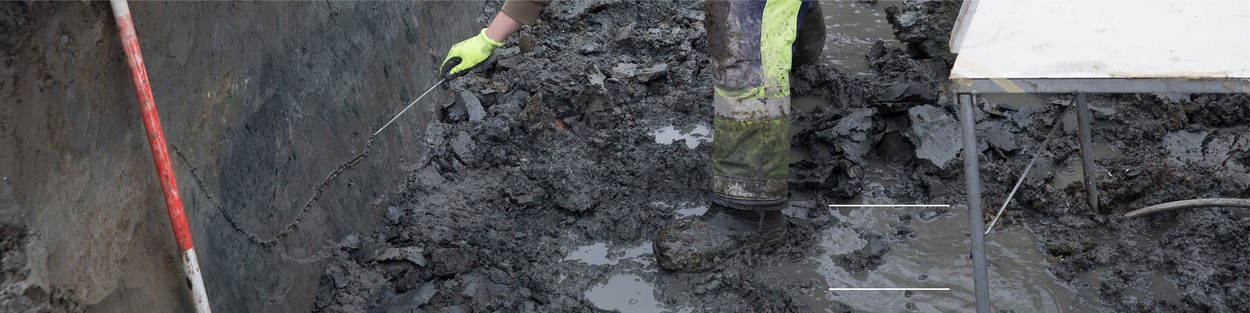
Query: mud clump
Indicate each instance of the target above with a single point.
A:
(925, 26)
(867, 258)
(676, 250)
(19, 291)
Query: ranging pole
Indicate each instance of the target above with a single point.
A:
(156, 140)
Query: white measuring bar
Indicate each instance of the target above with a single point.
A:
(889, 205)
(892, 289)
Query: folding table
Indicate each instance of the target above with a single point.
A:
(1098, 46)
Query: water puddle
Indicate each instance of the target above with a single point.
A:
(851, 29)
(937, 256)
(683, 209)
(691, 211)
(626, 293)
(600, 253)
(693, 135)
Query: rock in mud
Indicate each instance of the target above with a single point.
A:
(325, 291)
(935, 134)
(685, 246)
(410, 254)
(576, 202)
(867, 258)
(457, 112)
(451, 261)
(472, 105)
(536, 115)
(632, 71)
(429, 177)
(410, 301)
(931, 213)
(851, 134)
(393, 214)
(999, 136)
(825, 81)
(1023, 117)
(350, 242)
(510, 103)
(463, 147)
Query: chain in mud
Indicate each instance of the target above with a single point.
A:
(299, 216)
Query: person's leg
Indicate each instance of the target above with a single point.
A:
(811, 36)
(751, 45)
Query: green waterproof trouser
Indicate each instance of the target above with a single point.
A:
(752, 46)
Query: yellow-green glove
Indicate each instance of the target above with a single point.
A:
(467, 54)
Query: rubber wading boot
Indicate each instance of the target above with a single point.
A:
(697, 244)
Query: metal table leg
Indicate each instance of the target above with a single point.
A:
(972, 176)
(1083, 119)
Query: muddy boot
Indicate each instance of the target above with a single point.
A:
(696, 244)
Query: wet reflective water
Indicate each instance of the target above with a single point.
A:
(628, 290)
(692, 135)
(937, 256)
(625, 293)
(600, 253)
(851, 28)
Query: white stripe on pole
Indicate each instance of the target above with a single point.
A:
(192, 269)
(120, 8)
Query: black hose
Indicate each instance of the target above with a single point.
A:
(1207, 202)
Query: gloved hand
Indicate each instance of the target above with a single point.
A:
(467, 54)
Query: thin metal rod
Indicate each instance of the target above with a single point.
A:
(1194, 203)
(972, 177)
(414, 101)
(1036, 154)
(1083, 119)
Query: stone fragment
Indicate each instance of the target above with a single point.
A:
(410, 301)
(350, 242)
(429, 177)
(851, 134)
(865, 259)
(451, 261)
(935, 134)
(632, 71)
(999, 136)
(463, 147)
(393, 214)
(410, 254)
(472, 105)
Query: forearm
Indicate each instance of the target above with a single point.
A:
(501, 27)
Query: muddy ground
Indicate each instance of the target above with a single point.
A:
(549, 198)
(538, 186)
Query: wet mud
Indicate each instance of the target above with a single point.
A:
(540, 181)
(549, 201)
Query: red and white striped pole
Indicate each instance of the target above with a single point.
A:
(156, 140)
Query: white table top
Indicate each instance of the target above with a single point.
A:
(1103, 39)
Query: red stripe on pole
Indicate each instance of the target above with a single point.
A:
(156, 138)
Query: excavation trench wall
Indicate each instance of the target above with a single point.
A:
(260, 102)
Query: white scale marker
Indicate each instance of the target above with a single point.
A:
(889, 289)
(889, 205)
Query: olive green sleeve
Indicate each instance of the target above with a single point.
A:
(524, 11)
